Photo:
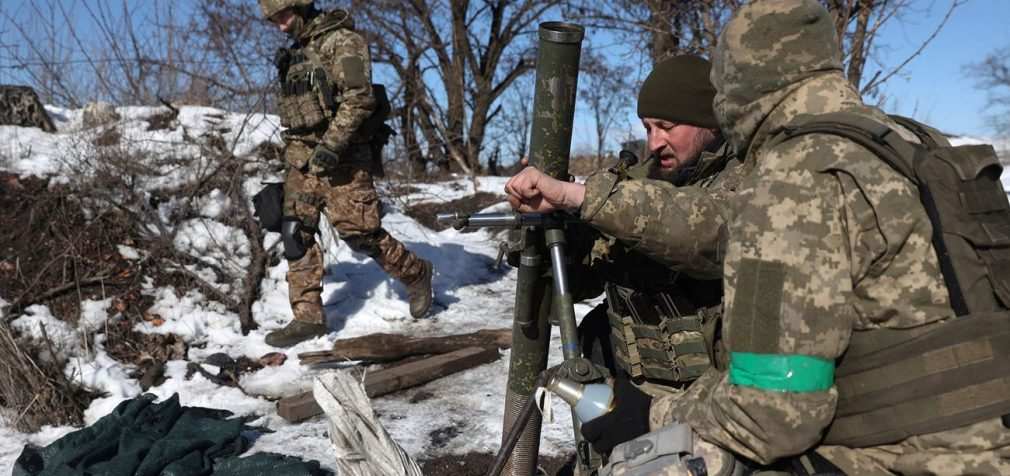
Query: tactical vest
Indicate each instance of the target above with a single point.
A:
(896, 383)
(653, 339)
(661, 335)
(308, 97)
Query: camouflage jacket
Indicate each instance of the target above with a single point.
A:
(824, 239)
(679, 227)
(343, 53)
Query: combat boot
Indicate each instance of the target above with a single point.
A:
(296, 331)
(419, 292)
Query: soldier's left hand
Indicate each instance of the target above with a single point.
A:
(323, 159)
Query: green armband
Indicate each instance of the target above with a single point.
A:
(781, 373)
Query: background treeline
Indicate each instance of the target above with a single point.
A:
(458, 71)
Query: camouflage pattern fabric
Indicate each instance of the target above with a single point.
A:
(348, 199)
(270, 8)
(20, 106)
(343, 53)
(717, 172)
(823, 240)
(681, 227)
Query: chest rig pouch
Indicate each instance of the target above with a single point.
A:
(652, 336)
(308, 97)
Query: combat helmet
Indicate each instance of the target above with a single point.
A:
(272, 7)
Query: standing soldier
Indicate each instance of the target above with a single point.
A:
(334, 120)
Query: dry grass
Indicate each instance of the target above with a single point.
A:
(35, 391)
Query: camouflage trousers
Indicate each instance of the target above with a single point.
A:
(347, 197)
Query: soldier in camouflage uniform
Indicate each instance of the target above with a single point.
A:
(334, 135)
(827, 249)
(649, 330)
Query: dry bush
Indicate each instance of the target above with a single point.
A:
(35, 391)
(584, 165)
(159, 193)
(53, 253)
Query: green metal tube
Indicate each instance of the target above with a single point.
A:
(528, 358)
(559, 50)
(557, 77)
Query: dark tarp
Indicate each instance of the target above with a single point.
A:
(143, 438)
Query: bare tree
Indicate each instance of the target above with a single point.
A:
(992, 74)
(606, 94)
(669, 27)
(660, 28)
(516, 117)
(859, 23)
(467, 52)
(139, 53)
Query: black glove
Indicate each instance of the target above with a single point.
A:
(323, 159)
(282, 60)
(628, 420)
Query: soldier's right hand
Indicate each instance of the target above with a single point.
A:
(534, 191)
(628, 420)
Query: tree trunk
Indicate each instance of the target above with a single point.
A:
(857, 56)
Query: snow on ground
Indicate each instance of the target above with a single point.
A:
(470, 294)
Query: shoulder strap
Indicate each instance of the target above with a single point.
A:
(903, 156)
(929, 136)
(877, 137)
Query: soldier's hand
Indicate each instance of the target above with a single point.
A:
(534, 191)
(323, 159)
(628, 420)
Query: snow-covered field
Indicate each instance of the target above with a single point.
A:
(470, 294)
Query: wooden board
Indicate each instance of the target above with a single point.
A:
(381, 382)
(390, 347)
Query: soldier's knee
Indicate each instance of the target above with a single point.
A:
(365, 243)
(297, 238)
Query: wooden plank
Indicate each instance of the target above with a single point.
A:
(381, 382)
(298, 408)
(388, 347)
(422, 371)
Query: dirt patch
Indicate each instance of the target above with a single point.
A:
(108, 138)
(162, 120)
(442, 436)
(421, 396)
(425, 213)
(478, 464)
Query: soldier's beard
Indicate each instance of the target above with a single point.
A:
(672, 175)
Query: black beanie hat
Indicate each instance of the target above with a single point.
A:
(679, 90)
